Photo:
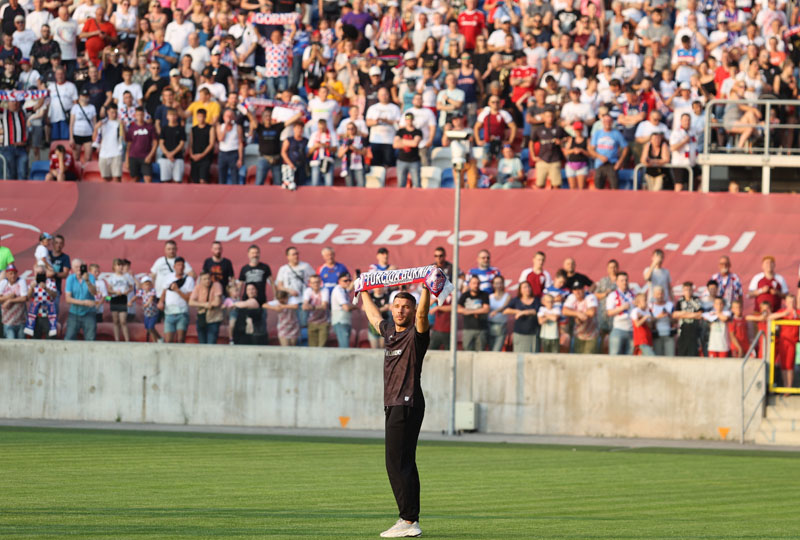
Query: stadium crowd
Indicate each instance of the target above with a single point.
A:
(322, 91)
(562, 311)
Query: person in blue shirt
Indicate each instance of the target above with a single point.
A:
(80, 293)
(161, 51)
(609, 150)
(330, 270)
(484, 272)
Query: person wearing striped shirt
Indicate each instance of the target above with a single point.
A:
(14, 140)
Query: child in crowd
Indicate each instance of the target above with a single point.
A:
(288, 325)
(101, 293)
(719, 345)
(509, 170)
(765, 310)
(42, 302)
(786, 343)
(642, 317)
(147, 295)
(548, 316)
(559, 290)
(737, 330)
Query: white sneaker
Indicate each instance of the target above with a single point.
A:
(402, 529)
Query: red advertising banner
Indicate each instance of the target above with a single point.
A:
(103, 221)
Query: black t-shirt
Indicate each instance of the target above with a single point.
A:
(201, 136)
(371, 91)
(689, 306)
(402, 364)
(40, 50)
(269, 139)
(112, 76)
(471, 300)
(582, 279)
(431, 60)
(60, 262)
(549, 151)
(152, 101)
(411, 154)
(97, 94)
(221, 272)
(257, 275)
(172, 136)
(527, 325)
(396, 55)
(221, 74)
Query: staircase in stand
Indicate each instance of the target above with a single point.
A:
(781, 425)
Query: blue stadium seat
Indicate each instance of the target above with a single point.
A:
(625, 177)
(39, 170)
(447, 179)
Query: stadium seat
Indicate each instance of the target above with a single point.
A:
(431, 177)
(441, 157)
(625, 177)
(251, 175)
(447, 178)
(376, 177)
(54, 144)
(391, 177)
(251, 155)
(39, 170)
(91, 172)
(479, 155)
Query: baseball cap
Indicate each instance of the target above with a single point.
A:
(11, 268)
(577, 125)
(19, 18)
(45, 236)
(392, 3)
(85, 92)
(505, 19)
(685, 86)
(146, 279)
(174, 72)
(215, 50)
(608, 62)
(24, 61)
(410, 56)
(576, 285)
(374, 70)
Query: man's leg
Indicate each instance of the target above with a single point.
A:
(261, 171)
(276, 173)
(402, 431)
(89, 326)
(415, 168)
(403, 168)
(72, 327)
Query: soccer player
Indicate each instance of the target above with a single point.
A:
(406, 335)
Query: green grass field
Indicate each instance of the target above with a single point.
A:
(94, 484)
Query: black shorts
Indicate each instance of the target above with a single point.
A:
(139, 168)
(80, 141)
(200, 170)
(119, 303)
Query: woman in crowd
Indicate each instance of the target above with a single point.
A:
(498, 320)
(118, 289)
(524, 309)
(207, 298)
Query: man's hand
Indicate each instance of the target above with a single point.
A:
(617, 165)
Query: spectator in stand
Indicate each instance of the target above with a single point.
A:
(485, 272)
(147, 295)
(719, 345)
(288, 324)
(767, 286)
(260, 275)
(207, 298)
(63, 95)
(82, 120)
(642, 319)
(440, 330)
(548, 316)
(268, 136)
(498, 320)
(655, 154)
(293, 277)
(161, 51)
(112, 134)
(683, 151)
(80, 294)
(13, 296)
(688, 312)
(98, 34)
(729, 284)
(619, 303)
(548, 162)
(322, 151)
(59, 266)
(62, 165)
(491, 126)
(577, 157)
(610, 151)
(786, 344)
(582, 307)
(65, 33)
(316, 302)
(573, 276)
(661, 309)
(231, 148)
(351, 153)
(172, 142)
(41, 321)
(13, 123)
(250, 325)
(118, 289)
(174, 302)
(277, 52)
(141, 149)
(164, 267)
(23, 38)
(658, 276)
(406, 141)
(9, 13)
(524, 308)
(381, 119)
(330, 270)
(473, 305)
(201, 147)
(6, 258)
(295, 158)
(737, 328)
(218, 267)
(341, 309)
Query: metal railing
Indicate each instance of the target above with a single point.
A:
(640, 166)
(766, 125)
(760, 337)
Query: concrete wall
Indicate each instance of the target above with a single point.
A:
(258, 386)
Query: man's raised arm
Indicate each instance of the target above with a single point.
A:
(371, 310)
(422, 311)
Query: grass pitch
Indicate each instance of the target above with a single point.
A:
(95, 484)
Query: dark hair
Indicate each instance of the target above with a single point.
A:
(180, 260)
(622, 274)
(440, 248)
(688, 284)
(561, 273)
(112, 105)
(540, 253)
(383, 250)
(253, 246)
(290, 248)
(140, 109)
(168, 242)
(58, 236)
(712, 282)
(343, 275)
(407, 296)
(658, 251)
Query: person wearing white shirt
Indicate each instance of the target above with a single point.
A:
(37, 17)
(81, 125)
(177, 32)
(200, 54)
(382, 118)
(323, 108)
(127, 86)
(23, 38)
(661, 308)
(85, 10)
(341, 308)
(164, 266)
(360, 123)
(293, 276)
(619, 303)
(174, 300)
(111, 137)
(497, 40)
(683, 149)
(247, 37)
(63, 95)
(65, 33)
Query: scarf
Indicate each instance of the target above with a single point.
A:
(433, 278)
(273, 18)
(22, 95)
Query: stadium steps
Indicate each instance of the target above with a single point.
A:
(781, 425)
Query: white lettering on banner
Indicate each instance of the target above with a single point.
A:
(245, 234)
(468, 238)
(502, 238)
(186, 232)
(568, 239)
(426, 237)
(638, 243)
(353, 236)
(599, 240)
(128, 232)
(392, 235)
(314, 235)
(706, 242)
(743, 241)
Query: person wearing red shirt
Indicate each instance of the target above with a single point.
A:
(98, 34)
(523, 80)
(471, 24)
(537, 276)
(786, 344)
(767, 286)
(62, 165)
(737, 328)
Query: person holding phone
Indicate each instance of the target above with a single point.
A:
(80, 291)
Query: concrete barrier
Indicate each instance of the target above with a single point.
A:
(679, 398)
